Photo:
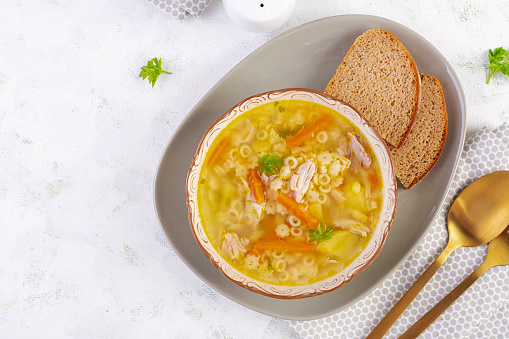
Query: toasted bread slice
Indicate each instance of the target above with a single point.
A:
(379, 78)
(426, 140)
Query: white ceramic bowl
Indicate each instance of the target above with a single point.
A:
(366, 257)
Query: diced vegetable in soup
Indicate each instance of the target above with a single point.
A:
(290, 193)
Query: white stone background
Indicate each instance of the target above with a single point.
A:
(82, 254)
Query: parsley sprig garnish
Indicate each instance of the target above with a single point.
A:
(499, 62)
(270, 163)
(322, 233)
(152, 71)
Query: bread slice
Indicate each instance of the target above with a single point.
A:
(426, 140)
(379, 78)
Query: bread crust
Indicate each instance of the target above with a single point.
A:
(349, 88)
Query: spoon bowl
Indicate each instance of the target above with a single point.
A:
(477, 216)
(481, 211)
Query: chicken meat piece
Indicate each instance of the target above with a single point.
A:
(233, 246)
(358, 151)
(299, 181)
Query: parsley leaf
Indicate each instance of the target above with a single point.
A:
(269, 265)
(322, 233)
(499, 62)
(284, 134)
(152, 71)
(270, 163)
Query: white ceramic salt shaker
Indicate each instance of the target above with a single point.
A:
(259, 15)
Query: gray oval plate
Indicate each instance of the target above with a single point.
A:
(307, 57)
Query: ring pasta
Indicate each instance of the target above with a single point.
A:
(296, 231)
(294, 221)
(322, 137)
(262, 135)
(291, 162)
(245, 151)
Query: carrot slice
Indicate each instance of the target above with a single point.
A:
(256, 186)
(217, 152)
(373, 179)
(309, 132)
(281, 245)
(301, 211)
(255, 251)
(272, 236)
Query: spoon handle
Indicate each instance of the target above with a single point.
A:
(398, 309)
(447, 301)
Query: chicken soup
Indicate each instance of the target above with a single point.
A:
(290, 192)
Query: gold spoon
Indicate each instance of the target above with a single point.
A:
(498, 255)
(477, 216)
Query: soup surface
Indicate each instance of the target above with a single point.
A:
(290, 192)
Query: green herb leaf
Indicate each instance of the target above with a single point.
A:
(322, 233)
(269, 265)
(270, 163)
(284, 134)
(152, 71)
(499, 62)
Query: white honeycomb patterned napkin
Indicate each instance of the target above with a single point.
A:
(181, 9)
(481, 312)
